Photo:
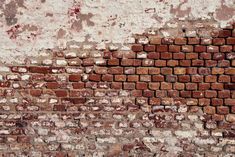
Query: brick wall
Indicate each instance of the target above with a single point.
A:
(166, 96)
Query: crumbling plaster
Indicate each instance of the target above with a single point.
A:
(28, 28)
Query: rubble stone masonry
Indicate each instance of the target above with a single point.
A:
(166, 96)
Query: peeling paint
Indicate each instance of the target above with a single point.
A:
(105, 21)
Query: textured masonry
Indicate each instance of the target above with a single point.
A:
(166, 96)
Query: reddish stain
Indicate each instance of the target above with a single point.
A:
(74, 11)
(12, 32)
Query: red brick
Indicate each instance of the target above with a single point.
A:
(204, 71)
(180, 41)
(191, 86)
(148, 62)
(154, 85)
(118, 54)
(128, 86)
(95, 77)
(127, 62)
(75, 78)
(116, 85)
(174, 48)
(229, 86)
(210, 78)
(198, 94)
(212, 49)
(161, 48)
(186, 94)
(88, 62)
(198, 63)
(230, 41)
(191, 70)
(209, 110)
(100, 70)
(222, 110)
(226, 48)
(197, 78)
(216, 102)
(204, 101)
(184, 78)
(166, 55)
(204, 86)
(217, 86)
(187, 48)
(115, 70)
(179, 55)
(166, 71)
(75, 100)
(52, 85)
(224, 94)
(107, 55)
(145, 78)
(191, 55)
(142, 70)
(200, 48)
(210, 94)
(113, 62)
(225, 33)
(193, 41)
(230, 71)
(141, 85)
(120, 78)
(136, 93)
(36, 92)
(155, 40)
(154, 101)
(185, 63)
(165, 86)
(43, 70)
(160, 63)
(172, 63)
(229, 102)
(157, 78)
(178, 86)
(59, 108)
(218, 56)
(132, 78)
(167, 40)
(210, 63)
(153, 55)
(137, 62)
(137, 47)
(218, 41)
(149, 48)
(171, 78)
(129, 55)
(205, 55)
(107, 77)
(61, 93)
(148, 93)
(78, 85)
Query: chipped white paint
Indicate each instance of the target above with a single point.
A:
(38, 26)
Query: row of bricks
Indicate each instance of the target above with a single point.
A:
(133, 82)
(137, 70)
(151, 39)
(186, 48)
(216, 95)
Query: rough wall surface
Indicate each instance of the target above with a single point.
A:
(117, 78)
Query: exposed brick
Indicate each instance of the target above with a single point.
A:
(161, 48)
(137, 48)
(149, 48)
(94, 77)
(75, 78)
(141, 85)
